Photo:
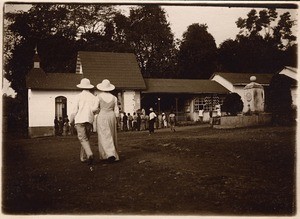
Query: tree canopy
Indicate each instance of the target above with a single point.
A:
(197, 53)
(262, 45)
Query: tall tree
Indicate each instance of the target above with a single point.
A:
(149, 34)
(197, 53)
(262, 45)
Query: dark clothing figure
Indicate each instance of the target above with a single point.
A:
(130, 119)
(125, 120)
(138, 123)
(60, 126)
(66, 128)
(56, 126)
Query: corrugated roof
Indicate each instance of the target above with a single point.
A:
(244, 78)
(183, 86)
(120, 68)
(37, 79)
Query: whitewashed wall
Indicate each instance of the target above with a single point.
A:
(132, 101)
(41, 106)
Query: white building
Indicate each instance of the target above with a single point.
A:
(52, 95)
(291, 73)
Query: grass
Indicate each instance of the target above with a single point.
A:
(194, 171)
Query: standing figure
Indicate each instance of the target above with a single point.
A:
(165, 122)
(146, 122)
(66, 128)
(152, 118)
(107, 122)
(134, 122)
(143, 122)
(56, 126)
(138, 123)
(125, 120)
(172, 121)
(83, 118)
(60, 126)
(121, 121)
(130, 119)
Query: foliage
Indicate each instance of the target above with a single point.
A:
(149, 34)
(233, 104)
(280, 100)
(197, 53)
(262, 46)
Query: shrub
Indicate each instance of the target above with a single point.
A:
(280, 100)
(233, 104)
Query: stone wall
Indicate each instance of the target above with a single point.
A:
(244, 121)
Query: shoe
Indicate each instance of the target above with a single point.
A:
(111, 159)
(90, 160)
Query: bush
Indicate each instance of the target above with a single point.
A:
(233, 104)
(280, 100)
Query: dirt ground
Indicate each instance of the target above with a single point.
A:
(194, 171)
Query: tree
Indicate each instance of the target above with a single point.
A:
(280, 100)
(262, 46)
(197, 53)
(150, 36)
(54, 29)
(233, 104)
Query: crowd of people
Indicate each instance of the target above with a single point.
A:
(140, 121)
(101, 112)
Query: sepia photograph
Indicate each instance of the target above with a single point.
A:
(149, 108)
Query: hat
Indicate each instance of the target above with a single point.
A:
(85, 84)
(105, 85)
(151, 109)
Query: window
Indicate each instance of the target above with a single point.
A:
(207, 103)
(61, 107)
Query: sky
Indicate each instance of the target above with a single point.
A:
(220, 20)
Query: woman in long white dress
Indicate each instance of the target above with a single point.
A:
(107, 122)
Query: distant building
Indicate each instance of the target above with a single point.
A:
(291, 73)
(52, 95)
(185, 97)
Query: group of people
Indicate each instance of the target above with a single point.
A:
(140, 121)
(86, 106)
(63, 127)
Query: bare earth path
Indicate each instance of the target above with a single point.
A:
(194, 171)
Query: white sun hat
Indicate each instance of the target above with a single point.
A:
(85, 84)
(105, 85)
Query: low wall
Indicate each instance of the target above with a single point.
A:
(244, 121)
(40, 131)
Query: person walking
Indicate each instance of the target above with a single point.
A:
(152, 118)
(172, 121)
(83, 117)
(107, 122)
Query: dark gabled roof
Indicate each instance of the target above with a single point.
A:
(244, 78)
(120, 68)
(183, 86)
(37, 79)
